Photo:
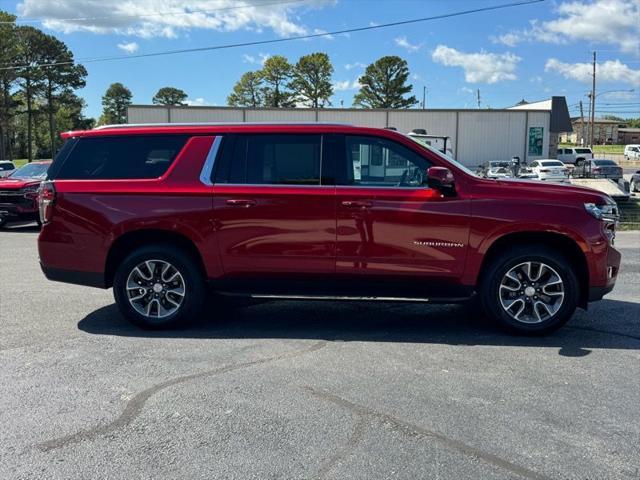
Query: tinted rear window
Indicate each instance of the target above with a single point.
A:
(552, 164)
(6, 166)
(583, 150)
(604, 163)
(139, 156)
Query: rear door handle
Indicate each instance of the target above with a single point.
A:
(241, 202)
(356, 204)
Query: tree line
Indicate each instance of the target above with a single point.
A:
(36, 103)
(308, 83)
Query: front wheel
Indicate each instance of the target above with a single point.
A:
(159, 286)
(530, 290)
(633, 187)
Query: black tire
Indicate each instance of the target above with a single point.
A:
(3, 222)
(489, 288)
(192, 277)
(633, 187)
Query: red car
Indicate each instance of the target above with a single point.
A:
(314, 211)
(19, 193)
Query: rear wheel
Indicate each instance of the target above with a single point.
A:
(530, 290)
(159, 286)
(3, 222)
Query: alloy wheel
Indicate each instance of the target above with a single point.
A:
(155, 288)
(531, 292)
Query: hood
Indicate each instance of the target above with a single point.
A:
(548, 193)
(17, 183)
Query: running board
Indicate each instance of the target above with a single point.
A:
(347, 298)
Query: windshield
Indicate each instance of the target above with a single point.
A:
(31, 170)
(443, 156)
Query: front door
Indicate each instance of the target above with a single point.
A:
(274, 218)
(391, 225)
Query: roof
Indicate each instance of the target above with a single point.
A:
(540, 105)
(597, 120)
(629, 130)
(219, 128)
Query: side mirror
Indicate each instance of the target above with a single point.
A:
(440, 178)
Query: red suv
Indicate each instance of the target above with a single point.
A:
(314, 211)
(19, 193)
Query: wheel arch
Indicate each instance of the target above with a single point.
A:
(563, 243)
(128, 242)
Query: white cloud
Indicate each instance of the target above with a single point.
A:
(609, 71)
(404, 43)
(467, 90)
(351, 66)
(197, 102)
(482, 67)
(259, 60)
(169, 18)
(346, 85)
(130, 47)
(614, 22)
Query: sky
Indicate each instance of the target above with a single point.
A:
(526, 52)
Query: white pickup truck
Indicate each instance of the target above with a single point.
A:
(575, 155)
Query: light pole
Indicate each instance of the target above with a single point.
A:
(592, 108)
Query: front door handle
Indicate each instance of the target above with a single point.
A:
(241, 202)
(356, 204)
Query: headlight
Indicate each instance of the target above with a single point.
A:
(30, 188)
(607, 212)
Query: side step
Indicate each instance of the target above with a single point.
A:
(347, 298)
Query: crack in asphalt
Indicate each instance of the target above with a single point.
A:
(413, 430)
(134, 406)
(607, 332)
(346, 450)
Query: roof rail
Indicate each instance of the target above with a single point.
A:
(213, 124)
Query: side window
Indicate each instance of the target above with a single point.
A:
(559, 152)
(285, 159)
(134, 157)
(378, 162)
(534, 164)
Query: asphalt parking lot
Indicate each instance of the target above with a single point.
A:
(311, 390)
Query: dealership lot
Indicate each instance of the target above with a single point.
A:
(311, 390)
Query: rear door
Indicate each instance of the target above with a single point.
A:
(274, 216)
(391, 225)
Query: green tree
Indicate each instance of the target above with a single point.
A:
(169, 96)
(8, 77)
(312, 80)
(114, 104)
(59, 81)
(384, 85)
(30, 75)
(276, 75)
(247, 92)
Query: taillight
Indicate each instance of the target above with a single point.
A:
(46, 199)
(596, 170)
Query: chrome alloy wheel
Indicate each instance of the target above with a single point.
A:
(531, 292)
(155, 288)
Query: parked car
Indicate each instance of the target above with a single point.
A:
(599, 168)
(634, 184)
(495, 169)
(6, 168)
(549, 169)
(19, 193)
(280, 211)
(632, 152)
(575, 155)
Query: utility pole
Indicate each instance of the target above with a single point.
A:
(582, 139)
(424, 96)
(593, 99)
(478, 97)
(589, 131)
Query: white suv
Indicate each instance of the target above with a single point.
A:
(575, 155)
(632, 152)
(6, 168)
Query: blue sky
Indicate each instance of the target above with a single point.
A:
(530, 52)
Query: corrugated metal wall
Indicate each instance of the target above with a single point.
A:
(476, 135)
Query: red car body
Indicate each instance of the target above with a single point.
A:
(19, 198)
(265, 237)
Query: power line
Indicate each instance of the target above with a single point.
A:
(155, 14)
(281, 40)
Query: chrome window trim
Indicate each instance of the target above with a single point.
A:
(272, 185)
(207, 168)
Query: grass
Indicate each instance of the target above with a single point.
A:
(20, 162)
(613, 149)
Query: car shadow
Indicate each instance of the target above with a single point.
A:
(386, 322)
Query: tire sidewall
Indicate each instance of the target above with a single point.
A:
(194, 286)
(491, 283)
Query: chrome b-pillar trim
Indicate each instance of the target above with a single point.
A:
(207, 168)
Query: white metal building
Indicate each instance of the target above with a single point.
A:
(475, 136)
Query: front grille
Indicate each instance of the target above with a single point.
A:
(13, 197)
